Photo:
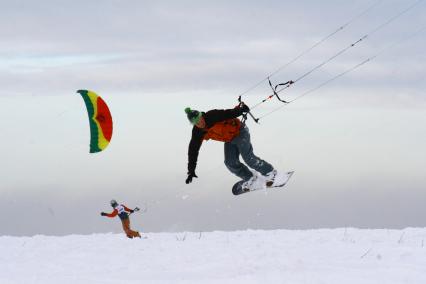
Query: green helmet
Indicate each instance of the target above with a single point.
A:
(193, 115)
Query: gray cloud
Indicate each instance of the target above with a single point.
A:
(139, 45)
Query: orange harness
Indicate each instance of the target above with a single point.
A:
(224, 131)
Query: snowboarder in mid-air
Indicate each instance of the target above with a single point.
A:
(123, 213)
(224, 126)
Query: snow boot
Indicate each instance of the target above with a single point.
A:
(270, 178)
(248, 184)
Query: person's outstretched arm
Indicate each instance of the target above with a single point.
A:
(111, 215)
(217, 115)
(193, 150)
(127, 209)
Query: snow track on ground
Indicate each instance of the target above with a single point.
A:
(276, 256)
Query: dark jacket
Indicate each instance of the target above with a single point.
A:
(211, 117)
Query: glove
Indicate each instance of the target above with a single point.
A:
(131, 211)
(103, 214)
(244, 108)
(190, 177)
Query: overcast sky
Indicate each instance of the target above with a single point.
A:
(356, 144)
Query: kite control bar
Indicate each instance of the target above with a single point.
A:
(249, 112)
(274, 89)
(137, 209)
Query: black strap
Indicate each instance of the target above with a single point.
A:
(274, 89)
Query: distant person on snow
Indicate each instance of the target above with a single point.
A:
(224, 126)
(123, 212)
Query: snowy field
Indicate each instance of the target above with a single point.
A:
(278, 256)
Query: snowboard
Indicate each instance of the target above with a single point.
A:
(281, 179)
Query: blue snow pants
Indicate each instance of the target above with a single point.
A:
(241, 145)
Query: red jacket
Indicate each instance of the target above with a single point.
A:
(121, 210)
(221, 125)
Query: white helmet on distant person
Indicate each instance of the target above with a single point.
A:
(114, 203)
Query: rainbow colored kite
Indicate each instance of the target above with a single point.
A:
(100, 120)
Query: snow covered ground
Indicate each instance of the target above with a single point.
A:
(277, 256)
